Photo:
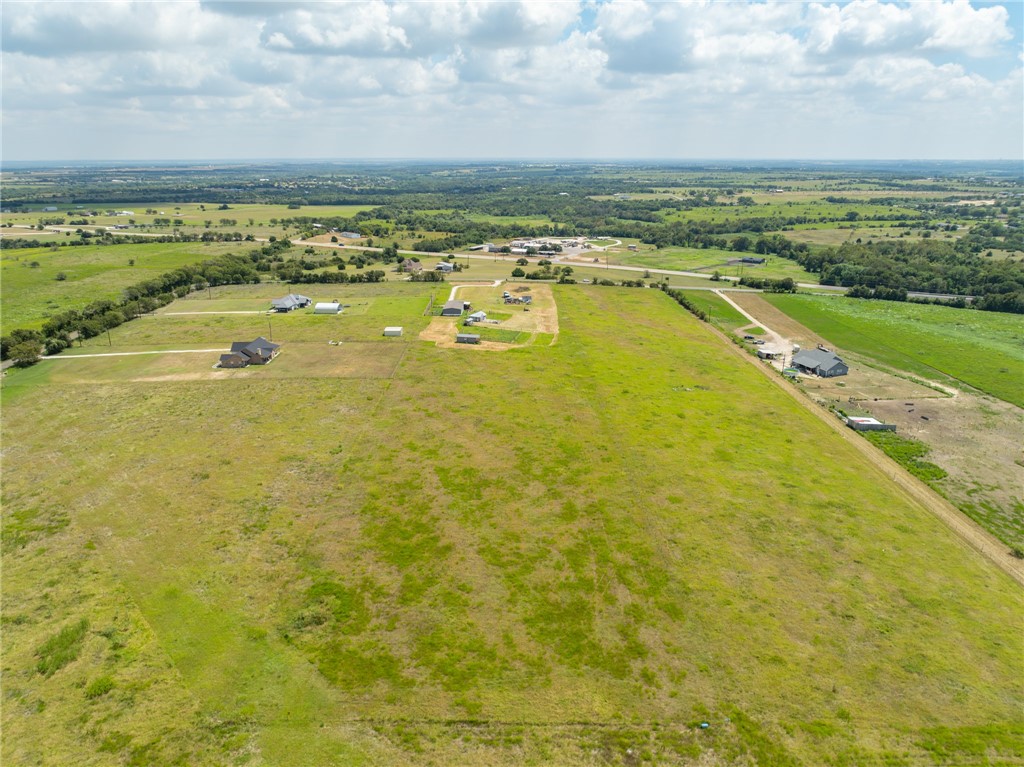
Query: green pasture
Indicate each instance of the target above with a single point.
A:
(31, 294)
(721, 313)
(817, 209)
(564, 554)
(983, 349)
(710, 260)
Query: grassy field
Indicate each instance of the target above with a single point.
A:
(568, 554)
(31, 294)
(982, 349)
(710, 260)
(721, 313)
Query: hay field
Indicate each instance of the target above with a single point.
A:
(568, 554)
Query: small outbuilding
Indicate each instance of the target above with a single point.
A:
(478, 316)
(327, 307)
(444, 266)
(290, 302)
(467, 338)
(393, 332)
(820, 362)
(860, 423)
(453, 309)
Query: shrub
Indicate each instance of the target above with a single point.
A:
(62, 648)
(99, 687)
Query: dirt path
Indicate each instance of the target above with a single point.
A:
(455, 288)
(776, 342)
(968, 531)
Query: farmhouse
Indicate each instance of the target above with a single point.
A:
(290, 302)
(821, 363)
(327, 307)
(410, 266)
(245, 353)
(467, 338)
(453, 308)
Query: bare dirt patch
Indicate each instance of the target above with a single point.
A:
(539, 317)
(977, 440)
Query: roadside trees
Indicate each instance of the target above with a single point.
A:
(25, 353)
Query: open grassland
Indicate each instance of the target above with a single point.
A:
(721, 313)
(813, 209)
(711, 260)
(567, 554)
(983, 349)
(31, 294)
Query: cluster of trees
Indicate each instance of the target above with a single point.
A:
(311, 278)
(928, 266)
(783, 285)
(880, 292)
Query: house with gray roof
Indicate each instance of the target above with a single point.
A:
(290, 302)
(245, 353)
(821, 363)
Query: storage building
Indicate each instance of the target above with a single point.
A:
(327, 307)
(467, 338)
(452, 309)
(392, 331)
(821, 363)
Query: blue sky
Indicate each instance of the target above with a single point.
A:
(194, 79)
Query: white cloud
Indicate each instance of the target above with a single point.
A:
(535, 77)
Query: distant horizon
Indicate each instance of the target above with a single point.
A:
(733, 161)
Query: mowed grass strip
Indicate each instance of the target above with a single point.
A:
(589, 546)
(982, 349)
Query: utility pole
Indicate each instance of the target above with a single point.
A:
(270, 327)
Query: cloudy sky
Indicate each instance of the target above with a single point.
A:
(205, 79)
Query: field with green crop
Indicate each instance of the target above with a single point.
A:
(983, 349)
(710, 260)
(31, 292)
(720, 313)
(568, 554)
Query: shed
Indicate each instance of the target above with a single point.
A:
(393, 331)
(860, 423)
(467, 338)
(452, 309)
(478, 316)
(444, 266)
(327, 307)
